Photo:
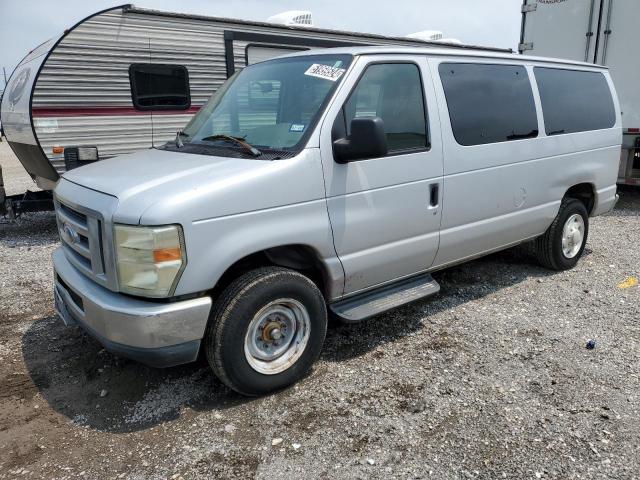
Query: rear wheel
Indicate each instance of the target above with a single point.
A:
(563, 243)
(266, 330)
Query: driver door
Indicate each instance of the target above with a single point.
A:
(385, 212)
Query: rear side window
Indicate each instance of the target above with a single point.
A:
(574, 101)
(393, 92)
(489, 103)
(159, 87)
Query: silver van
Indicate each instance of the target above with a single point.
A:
(330, 183)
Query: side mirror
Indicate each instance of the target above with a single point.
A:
(367, 140)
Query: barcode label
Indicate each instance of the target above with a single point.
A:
(324, 71)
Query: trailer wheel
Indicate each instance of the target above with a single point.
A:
(562, 245)
(266, 330)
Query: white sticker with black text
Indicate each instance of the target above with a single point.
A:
(324, 71)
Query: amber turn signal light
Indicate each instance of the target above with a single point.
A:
(166, 255)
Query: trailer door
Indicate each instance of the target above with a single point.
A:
(560, 29)
(259, 53)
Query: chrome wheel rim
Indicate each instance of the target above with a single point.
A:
(572, 235)
(277, 336)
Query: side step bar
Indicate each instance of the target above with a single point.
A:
(368, 304)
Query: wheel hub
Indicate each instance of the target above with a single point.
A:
(572, 235)
(272, 331)
(276, 336)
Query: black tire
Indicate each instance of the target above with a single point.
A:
(231, 317)
(548, 247)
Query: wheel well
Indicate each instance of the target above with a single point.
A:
(301, 258)
(585, 193)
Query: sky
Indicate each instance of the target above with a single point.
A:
(25, 24)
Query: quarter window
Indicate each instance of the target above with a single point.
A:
(489, 103)
(574, 101)
(159, 87)
(394, 93)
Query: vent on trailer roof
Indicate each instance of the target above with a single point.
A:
(452, 41)
(426, 35)
(433, 36)
(292, 17)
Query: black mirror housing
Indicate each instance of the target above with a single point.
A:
(367, 140)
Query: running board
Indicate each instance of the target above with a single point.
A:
(368, 304)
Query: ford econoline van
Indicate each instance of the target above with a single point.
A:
(331, 182)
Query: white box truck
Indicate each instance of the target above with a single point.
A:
(603, 32)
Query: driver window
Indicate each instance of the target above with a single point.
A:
(393, 92)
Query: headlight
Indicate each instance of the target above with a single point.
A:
(149, 259)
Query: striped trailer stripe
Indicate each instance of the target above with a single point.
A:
(43, 112)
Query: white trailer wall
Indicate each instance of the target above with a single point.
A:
(596, 31)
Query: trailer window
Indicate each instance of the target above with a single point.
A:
(393, 92)
(489, 103)
(159, 87)
(574, 101)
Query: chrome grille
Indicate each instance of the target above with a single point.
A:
(80, 234)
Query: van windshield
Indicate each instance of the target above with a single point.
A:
(271, 105)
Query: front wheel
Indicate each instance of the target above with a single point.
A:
(563, 243)
(266, 330)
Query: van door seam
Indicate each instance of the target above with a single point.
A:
(333, 238)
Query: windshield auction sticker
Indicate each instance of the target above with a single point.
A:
(324, 71)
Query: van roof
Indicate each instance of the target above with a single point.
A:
(443, 50)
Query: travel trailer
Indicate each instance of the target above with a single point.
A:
(127, 78)
(602, 32)
(330, 180)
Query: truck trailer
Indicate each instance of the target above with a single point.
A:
(601, 32)
(128, 78)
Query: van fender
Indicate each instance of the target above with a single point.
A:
(217, 244)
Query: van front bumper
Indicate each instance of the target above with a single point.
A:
(156, 334)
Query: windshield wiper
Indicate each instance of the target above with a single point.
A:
(178, 140)
(237, 140)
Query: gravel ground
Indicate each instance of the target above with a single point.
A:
(489, 379)
(16, 179)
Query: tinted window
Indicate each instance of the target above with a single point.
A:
(392, 92)
(159, 87)
(489, 103)
(574, 101)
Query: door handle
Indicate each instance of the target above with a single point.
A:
(434, 195)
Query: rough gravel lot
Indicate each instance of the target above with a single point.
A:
(490, 379)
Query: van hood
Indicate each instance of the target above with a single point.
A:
(128, 175)
(158, 187)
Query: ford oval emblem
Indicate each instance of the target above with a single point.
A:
(70, 234)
